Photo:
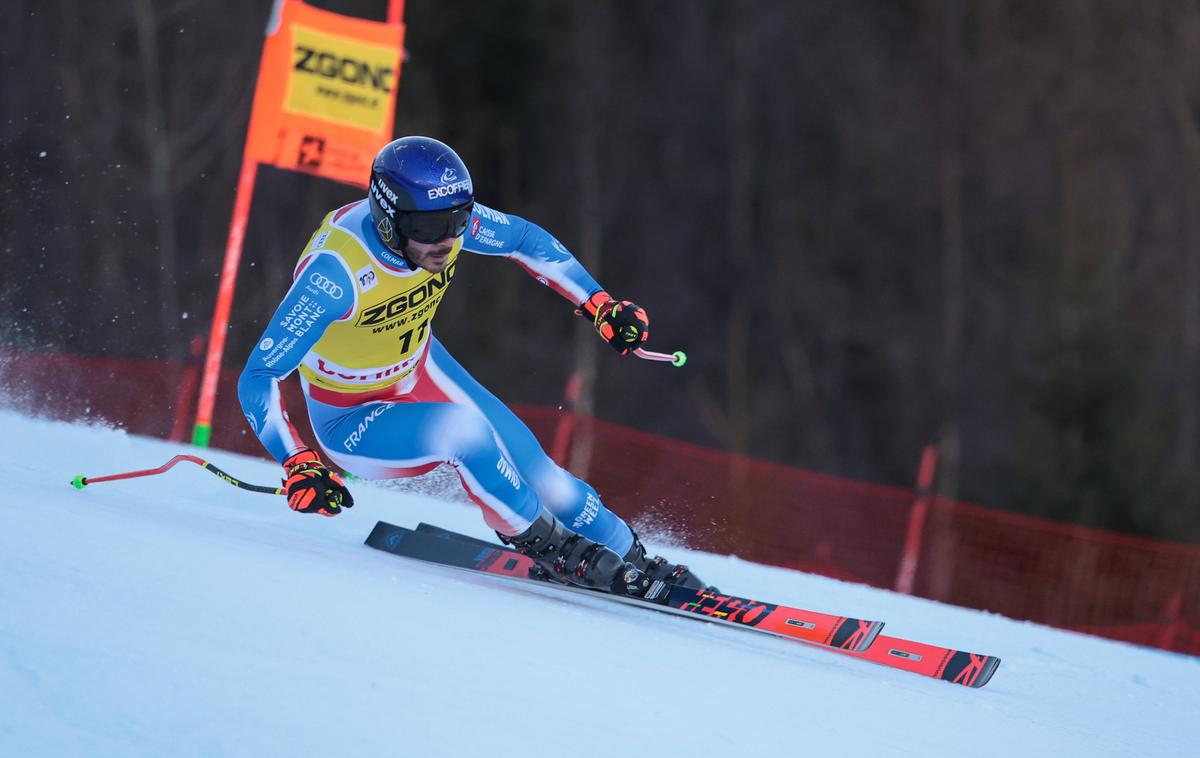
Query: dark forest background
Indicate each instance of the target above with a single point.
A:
(873, 225)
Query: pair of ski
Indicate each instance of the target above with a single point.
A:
(857, 638)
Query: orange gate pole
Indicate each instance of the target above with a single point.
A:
(907, 572)
(395, 12)
(202, 432)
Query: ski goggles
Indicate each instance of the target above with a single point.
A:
(434, 226)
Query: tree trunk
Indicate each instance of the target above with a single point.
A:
(1179, 80)
(156, 136)
(587, 21)
(740, 226)
(954, 252)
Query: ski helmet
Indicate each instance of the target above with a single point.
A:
(420, 190)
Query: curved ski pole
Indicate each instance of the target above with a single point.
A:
(82, 481)
(677, 358)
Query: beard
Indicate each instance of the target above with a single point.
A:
(433, 260)
(421, 255)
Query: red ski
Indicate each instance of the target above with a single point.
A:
(852, 637)
(436, 545)
(948, 664)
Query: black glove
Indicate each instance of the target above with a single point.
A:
(620, 323)
(312, 488)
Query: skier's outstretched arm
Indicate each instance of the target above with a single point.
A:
(621, 323)
(321, 293)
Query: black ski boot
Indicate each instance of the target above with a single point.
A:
(570, 558)
(658, 569)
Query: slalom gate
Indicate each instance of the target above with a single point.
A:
(1089, 580)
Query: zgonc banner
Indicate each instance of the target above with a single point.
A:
(326, 93)
(324, 104)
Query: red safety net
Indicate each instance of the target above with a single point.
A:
(1113, 585)
(732, 504)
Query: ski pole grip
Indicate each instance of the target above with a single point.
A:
(677, 358)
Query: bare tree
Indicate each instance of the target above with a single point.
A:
(954, 247)
(156, 135)
(588, 106)
(1180, 66)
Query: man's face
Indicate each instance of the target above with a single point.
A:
(431, 256)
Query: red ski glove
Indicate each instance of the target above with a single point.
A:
(313, 488)
(620, 323)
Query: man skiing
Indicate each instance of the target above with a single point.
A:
(386, 399)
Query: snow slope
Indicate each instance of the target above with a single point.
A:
(176, 615)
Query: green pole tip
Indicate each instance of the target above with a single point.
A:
(79, 482)
(680, 358)
(201, 435)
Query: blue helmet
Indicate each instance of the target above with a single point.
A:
(420, 190)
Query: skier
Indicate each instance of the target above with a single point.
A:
(386, 399)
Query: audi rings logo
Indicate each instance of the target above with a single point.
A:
(323, 283)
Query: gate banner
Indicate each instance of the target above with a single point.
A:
(326, 93)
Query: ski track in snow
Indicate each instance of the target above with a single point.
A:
(176, 615)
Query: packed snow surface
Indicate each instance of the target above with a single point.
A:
(176, 615)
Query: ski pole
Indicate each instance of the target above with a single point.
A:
(677, 358)
(82, 481)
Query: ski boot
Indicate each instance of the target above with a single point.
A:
(658, 569)
(569, 558)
